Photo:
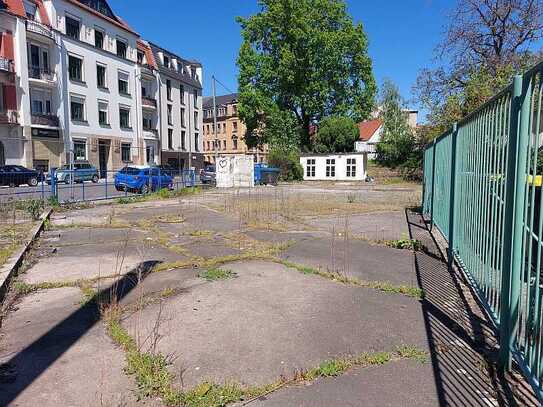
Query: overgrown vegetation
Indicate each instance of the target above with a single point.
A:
(161, 194)
(405, 244)
(287, 159)
(336, 134)
(215, 274)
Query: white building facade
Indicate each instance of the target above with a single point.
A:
(335, 167)
(86, 87)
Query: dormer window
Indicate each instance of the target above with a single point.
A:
(140, 57)
(30, 10)
(121, 48)
(166, 61)
(72, 28)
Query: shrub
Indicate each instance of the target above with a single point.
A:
(288, 162)
(34, 208)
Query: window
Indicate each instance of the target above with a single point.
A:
(98, 38)
(30, 10)
(125, 152)
(310, 167)
(101, 76)
(182, 94)
(235, 110)
(235, 126)
(170, 116)
(196, 142)
(351, 167)
(124, 117)
(183, 142)
(75, 68)
(123, 83)
(40, 101)
(235, 142)
(170, 139)
(195, 98)
(196, 121)
(77, 108)
(140, 57)
(330, 167)
(224, 144)
(121, 48)
(182, 117)
(147, 123)
(169, 89)
(103, 118)
(72, 28)
(80, 149)
(166, 61)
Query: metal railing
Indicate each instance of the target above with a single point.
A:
(41, 73)
(483, 189)
(45, 120)
(148, 102)
(9, 117)
(6, 65)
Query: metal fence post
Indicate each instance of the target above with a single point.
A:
(434, 144)
(452, 202)
(514, 220)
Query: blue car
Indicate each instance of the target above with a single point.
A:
(142, 179)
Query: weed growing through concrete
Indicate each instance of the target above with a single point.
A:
(405, 244)
(384, 286)
(215, 274)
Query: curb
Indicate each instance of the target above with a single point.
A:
(10, 268)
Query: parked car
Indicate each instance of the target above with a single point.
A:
(15, 175)
(82, 171)
(142, 179)
(208, 174)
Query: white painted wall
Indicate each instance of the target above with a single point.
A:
(235, 172)
(340, 167)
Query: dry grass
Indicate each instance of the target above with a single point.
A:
(12, 236)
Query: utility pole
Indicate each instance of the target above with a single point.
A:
(215, 122)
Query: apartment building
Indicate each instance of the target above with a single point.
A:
(180, 111)
(229, 139)
(88, 87)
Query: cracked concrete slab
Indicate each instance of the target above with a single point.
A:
(405, 383)
(355, 258)
(271, 321)
(60, 355)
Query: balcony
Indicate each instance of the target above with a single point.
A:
(41, 119)
(151, 130)
(148, 102)
(6, 65)
(38, 28)
(9, 117)
(42, 74)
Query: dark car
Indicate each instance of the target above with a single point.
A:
(15, 175)
(82, 171)
(208, 174)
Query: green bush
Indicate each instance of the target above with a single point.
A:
(288, 162)
(34, 208)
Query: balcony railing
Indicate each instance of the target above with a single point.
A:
(9, 117)
(38, 28)
(148, 102)
(40, 73)
(151, 130)
(6, 65)
(41, 119)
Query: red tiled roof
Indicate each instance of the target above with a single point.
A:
(367, 129)
(15, 7)
(146, 48)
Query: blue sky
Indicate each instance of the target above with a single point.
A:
(402, 34)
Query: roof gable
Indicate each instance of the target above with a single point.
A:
(369, 128)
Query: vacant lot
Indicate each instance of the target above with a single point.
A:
(274, 296)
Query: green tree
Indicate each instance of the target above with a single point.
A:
(287, 159)
(300, 61)
(398, 143)
(485, 44)
(337, 134)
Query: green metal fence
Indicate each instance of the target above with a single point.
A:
(483, 191)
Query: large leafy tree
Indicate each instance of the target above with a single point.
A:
(300, 61)
(398, 143)
(337, 134)
(485, 44)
